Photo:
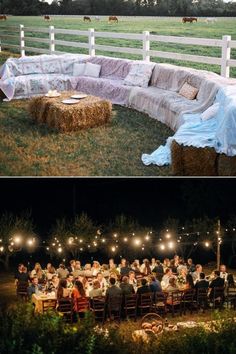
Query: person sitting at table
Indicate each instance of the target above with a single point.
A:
(69, 281)
(223, 272)
(63, 291)
(112, 264)
(102, 281)
(96, 290)
(196, 274)
(34, 287)
(124, 267)
(202, 283)
(132, 280)
(144, 288)
(166, 278)
(50, 271)
(71, 267)
(38, 272)
(53, 284)
(190, 265)
(21, 275)
(155, 285)
(77, 270)
(158, 269)
(217, 282)
(126, 288)
(105, 270)
(172, 285)
(95, 268)
(62, 271)
(145, 268)
(135, 268)
(113, 290)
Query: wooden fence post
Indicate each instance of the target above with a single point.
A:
(51, 39)
(91, 42)
(225, 56)
(146, 46)
(22, 41)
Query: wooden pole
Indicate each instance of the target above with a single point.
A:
(218, 245)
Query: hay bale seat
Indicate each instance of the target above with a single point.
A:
(193, 161)
(89, 112)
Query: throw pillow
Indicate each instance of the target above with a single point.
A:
(210, 112)
(188, 91)
(92, 70)
(139, 74)
(78, 69)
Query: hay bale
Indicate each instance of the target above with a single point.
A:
(176, 157)
(226, 165)
(193, 161)
(89, 112)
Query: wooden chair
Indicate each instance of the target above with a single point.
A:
(22, 291)
(188, 301)
(145, 303)
(130, 306)
(83, 304)
(218, 297)
(49, 304)
(98, 307)
(114, 307)
(159, 303)
(231, 297)
(174, 302)
(65, 306)
(202, 299)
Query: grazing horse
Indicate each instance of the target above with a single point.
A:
(47, 18)
(189, 19)
(210, 20)
(113, 19)
(3, 17)
(86, 18)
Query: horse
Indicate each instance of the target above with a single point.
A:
(3, 17)
(210, 20)
(87, 18)
(189, 19)
(113, 19)
(47, 18)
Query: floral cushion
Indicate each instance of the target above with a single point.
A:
(139, 75)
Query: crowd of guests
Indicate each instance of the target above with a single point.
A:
(93, 280)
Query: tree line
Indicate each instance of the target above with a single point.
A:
(82, 235)
(120, 7)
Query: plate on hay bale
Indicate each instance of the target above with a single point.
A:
(70, 101)
(152, 323)
(52, 94)
(79, 96)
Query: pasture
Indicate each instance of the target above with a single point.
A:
(115, 149)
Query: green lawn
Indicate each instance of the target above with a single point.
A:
(161, 26)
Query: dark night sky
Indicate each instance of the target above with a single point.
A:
(148, 200)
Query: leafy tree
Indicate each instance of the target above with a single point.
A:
(15, 230)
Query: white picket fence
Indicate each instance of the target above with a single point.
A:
(20, 35)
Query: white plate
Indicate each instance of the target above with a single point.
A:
(52, 96)
(70, 101)
(79, 96)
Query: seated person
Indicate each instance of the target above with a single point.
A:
(217, 282)
(34, 287)
(144, 288)
(63, 291)
(77, 293)
(96, 290)
(69, 281)
(202, 283)
(113, 290)
(155, 285)
(62, 271)
(126, 288)
(53, 284)
(223, 272)
(172, 285)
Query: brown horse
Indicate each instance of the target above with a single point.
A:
(113, 19)
(47, 18)
(189, 19)
(87, 18)
(3, 17)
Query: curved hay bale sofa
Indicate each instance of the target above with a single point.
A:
(157, 94)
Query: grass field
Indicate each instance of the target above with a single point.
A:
(115, 149)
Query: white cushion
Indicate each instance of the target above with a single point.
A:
(210, 112)
(139, 75)
(92, 70)
(78, 69)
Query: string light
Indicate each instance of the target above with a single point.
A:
(207, 244)
(1, 249)
(59, 249)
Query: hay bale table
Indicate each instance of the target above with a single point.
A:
(87, 113)
(192, 161)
